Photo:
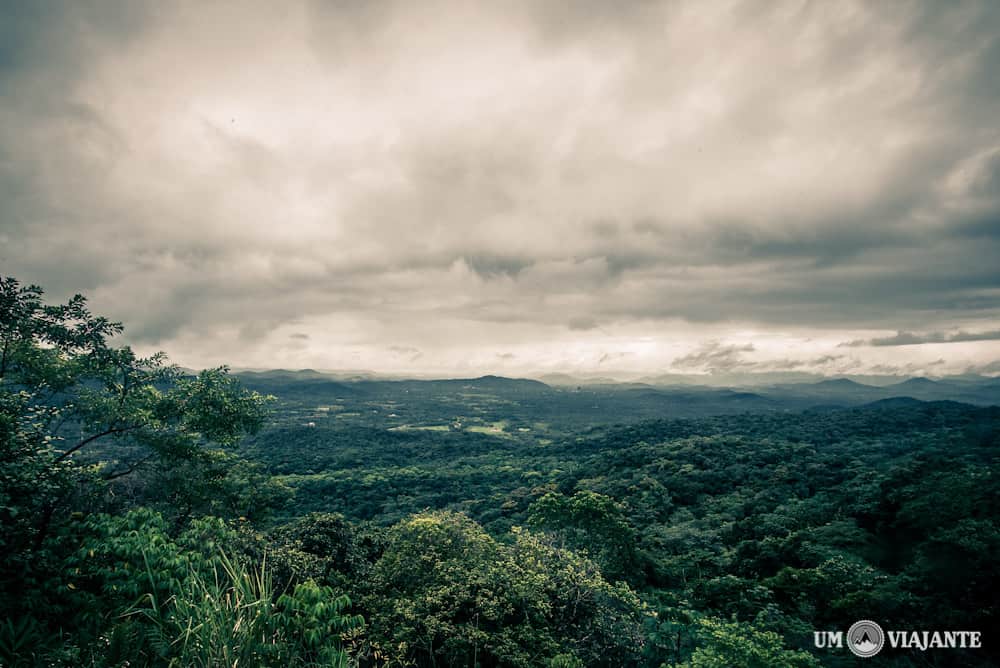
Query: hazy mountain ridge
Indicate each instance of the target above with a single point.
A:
(491, 397)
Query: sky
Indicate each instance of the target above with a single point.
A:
(455, 188)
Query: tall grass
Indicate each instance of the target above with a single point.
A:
(229, 617)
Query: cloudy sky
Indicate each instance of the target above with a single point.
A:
(455, 187)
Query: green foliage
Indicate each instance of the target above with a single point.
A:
(592, 523)
(734, 645)
(319, 546)
(132, 556)
(79, 417)
(47, 345)
(20, 642)
(599, 622)
(440, 594)
(565, 661)
(86, 394)
(34, 491)
(788, 522)
(315, 617)
(445, 591)
(231, 616)
(210, 482)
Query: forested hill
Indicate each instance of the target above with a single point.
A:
(786, 521)
(373, 473)
(570, 406)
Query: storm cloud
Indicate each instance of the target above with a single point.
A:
(912, 339)
(424, 187)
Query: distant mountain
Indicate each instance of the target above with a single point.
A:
(672, 379)
(297, 385)
(558, 379)
(875, 380)
(567, 380)
(285, 374)
(842, 384)
(832, 391)
(499, 385)
(918, 383)
(581, 397)
(689, 401)
(749, 380)
(893, 402)
(504, 383)
(846, 392)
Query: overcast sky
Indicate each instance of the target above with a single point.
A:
(513, 187)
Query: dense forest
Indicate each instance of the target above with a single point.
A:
(153, 516)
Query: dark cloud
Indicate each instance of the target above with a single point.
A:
(582, 323)
(911, 338)
(989, 369)
(715, 357)
(614, 357)
(490, 266)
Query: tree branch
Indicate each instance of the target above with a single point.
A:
(94, 437)
(124, 472)
(125, 388)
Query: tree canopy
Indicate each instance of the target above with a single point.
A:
(79, 419)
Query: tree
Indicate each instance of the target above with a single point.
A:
(78, 414)
(319, 546)
(446, 593)
(593, 523)
(188, 601)
(735, 645)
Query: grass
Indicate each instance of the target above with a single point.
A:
(430, 427)
(232, 617)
